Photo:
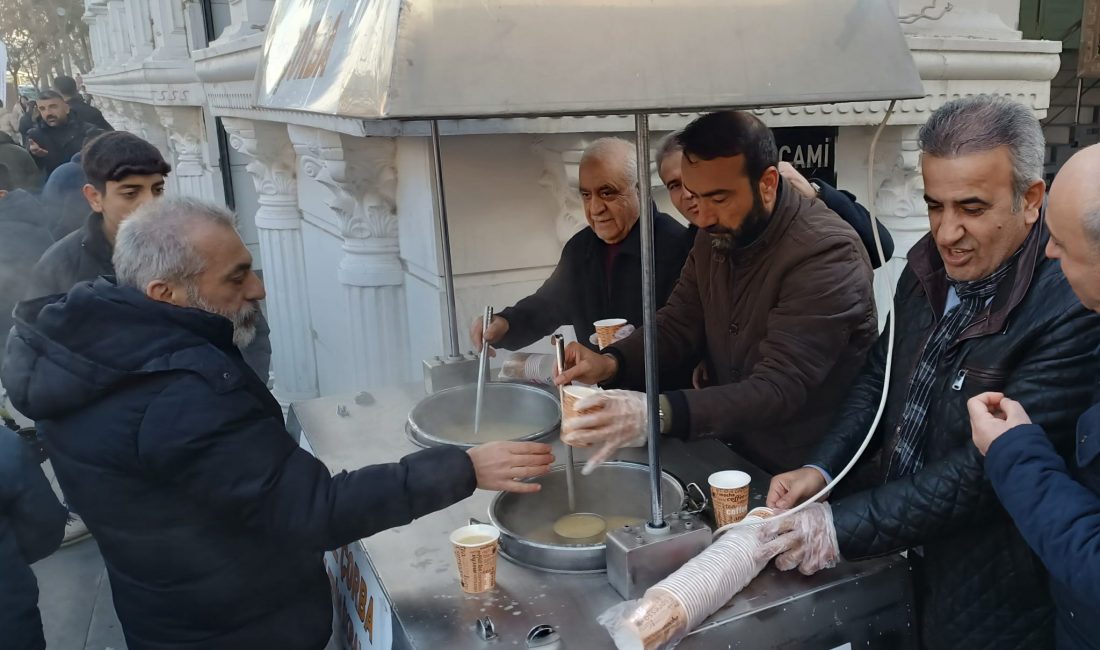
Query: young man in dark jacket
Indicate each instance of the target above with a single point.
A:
(776, 297)
(599, 273)
(1057, 509)
(31, 525)
(211, 519)
(978, 309)
(59, 134)
(123, 172)
(85, 112)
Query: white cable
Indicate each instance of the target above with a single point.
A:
(889, 349)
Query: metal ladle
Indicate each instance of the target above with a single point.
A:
(570, 479)
(482, 369)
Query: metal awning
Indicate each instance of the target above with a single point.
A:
(421, 59)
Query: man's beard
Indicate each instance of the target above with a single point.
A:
(244, 320)
(725, 239)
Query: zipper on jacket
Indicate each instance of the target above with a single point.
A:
(959, 379)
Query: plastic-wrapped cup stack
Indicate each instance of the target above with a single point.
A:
(672, 608)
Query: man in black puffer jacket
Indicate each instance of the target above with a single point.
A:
(211, 519)
(979, 308)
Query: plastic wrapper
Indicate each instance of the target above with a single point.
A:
(672, 608)
(524, 366)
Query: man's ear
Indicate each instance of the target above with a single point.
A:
(162, 291)
(1033, 201)
(769, 186)
(94, 197)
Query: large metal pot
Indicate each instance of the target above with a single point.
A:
(510, 412)
(616, 489)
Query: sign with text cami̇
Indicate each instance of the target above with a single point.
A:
(810, 149)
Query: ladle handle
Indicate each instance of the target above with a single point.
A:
(482, 369)
(570, 477)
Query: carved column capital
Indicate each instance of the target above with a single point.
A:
(561, 156)
(272, 168)
(361, 174)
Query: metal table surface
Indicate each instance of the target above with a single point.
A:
(862, 603)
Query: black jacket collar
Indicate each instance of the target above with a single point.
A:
(93, 240)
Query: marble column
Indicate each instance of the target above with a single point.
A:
(141, 29)
(247, 17)
(279, 224)
(169, 31)
(360, 174)
(119, 31)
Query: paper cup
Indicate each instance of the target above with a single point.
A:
(570, 395)
(476, 548)
(729, 492)
(605, 330)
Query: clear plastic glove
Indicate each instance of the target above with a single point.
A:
(620, 334)
(610, 419)
(806, 540)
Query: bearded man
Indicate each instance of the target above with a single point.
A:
(211, 519)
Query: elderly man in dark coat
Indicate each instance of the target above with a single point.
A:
(212, 520)
(599, 274)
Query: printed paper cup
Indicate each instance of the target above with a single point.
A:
(476, 548)
(729, 493)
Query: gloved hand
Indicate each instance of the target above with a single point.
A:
(620, 334)
(615, 419)
(806, 540)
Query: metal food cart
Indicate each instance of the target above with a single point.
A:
(436, 60)
(399, 589)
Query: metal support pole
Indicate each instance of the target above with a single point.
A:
(649, 322)
(1077, 104)
(445, 239)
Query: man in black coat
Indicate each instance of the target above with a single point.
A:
(66, 87)
(59, 135)
(31, 524)
(599, 274)
(977, 309)
(211, 519)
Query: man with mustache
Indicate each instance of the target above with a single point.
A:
(211, 519)
(979, 309)
(776, 299)
(59, 135)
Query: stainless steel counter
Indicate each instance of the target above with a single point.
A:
(415, 586)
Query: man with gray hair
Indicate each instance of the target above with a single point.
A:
(978, 308)
(211, 519)
(599, 274)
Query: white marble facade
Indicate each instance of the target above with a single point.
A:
(340, 211)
